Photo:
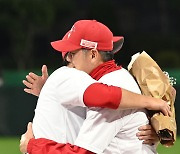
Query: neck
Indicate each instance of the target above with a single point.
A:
(104, 68)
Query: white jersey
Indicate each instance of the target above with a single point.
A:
(56, 118)
(114, 131)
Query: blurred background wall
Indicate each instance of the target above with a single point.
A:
(28, 26)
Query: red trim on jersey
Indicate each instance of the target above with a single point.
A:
(45, 146)
(105, 96)
(101, 95)
(103, 69)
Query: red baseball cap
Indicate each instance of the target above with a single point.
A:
(88, 34)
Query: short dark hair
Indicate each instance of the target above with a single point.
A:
(106, 55)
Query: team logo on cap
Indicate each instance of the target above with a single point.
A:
(88, 44)
(70, 32)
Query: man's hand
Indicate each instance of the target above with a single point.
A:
(148, 135)
(25, 138)
(34, 82)
(132, 100)
(159, 105)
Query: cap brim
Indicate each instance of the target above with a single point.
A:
(117, 43)
(64, 46)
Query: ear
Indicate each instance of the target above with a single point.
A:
(94, 53)
(68, 59)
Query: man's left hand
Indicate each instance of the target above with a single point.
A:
(25, 138)
(148, 135)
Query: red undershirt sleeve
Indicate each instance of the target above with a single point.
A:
(102, 95)
(45, 146)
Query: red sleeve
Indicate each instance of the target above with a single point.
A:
(45, 146)
(101, 95)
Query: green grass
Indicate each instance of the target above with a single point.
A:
(10, 145)
(171, 150)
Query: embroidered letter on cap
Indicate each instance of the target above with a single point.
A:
(88, 44)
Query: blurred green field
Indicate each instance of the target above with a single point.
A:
(10, 145)
(172, 150)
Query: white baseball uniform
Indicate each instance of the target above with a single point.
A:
(60, 94)
(56, 116)
(114, 131)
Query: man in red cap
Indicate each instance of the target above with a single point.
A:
(88, 46)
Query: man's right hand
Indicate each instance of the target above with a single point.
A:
(159, 105)
(132, 100)
(34, 83)
(25, 138)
